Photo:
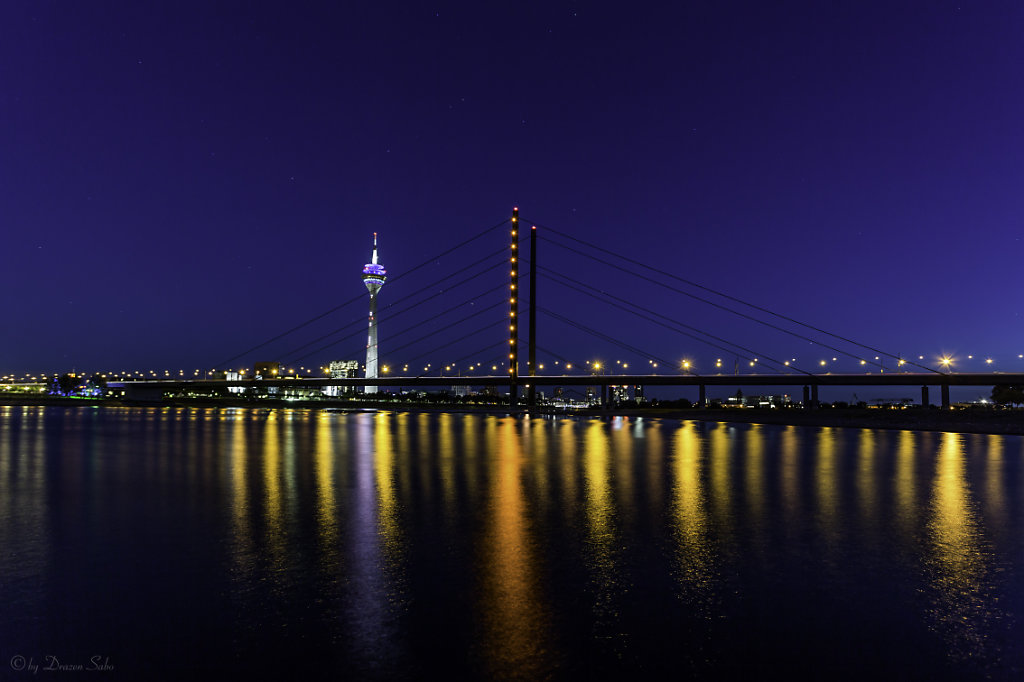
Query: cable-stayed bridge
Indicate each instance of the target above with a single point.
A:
(476, 325)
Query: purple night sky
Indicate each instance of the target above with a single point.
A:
(181, 182)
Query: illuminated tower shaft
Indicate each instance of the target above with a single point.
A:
(374, 275)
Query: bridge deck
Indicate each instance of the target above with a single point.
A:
(876, 379)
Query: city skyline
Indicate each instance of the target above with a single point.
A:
(183, 184)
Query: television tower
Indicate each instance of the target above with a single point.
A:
(374, 275)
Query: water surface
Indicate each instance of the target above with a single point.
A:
(203, 543)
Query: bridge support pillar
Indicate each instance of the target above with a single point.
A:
(925, 402)
(945, 396)
(807, 397)
(702, 398)
(604, 397)
(814, 397)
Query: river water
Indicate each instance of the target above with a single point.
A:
(168, 543)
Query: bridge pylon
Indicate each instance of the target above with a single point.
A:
(513, 321)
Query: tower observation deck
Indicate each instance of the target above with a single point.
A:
(374, 275)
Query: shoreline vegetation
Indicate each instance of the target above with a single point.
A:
(984, 421)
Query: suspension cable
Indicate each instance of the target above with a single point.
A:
(605, 337)
(740, 301)
(711, 303)
(360, 297)
(410, 306)
(633, 308)
(407, 329)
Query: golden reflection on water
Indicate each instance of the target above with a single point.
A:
(425, 457)
(241, 532)
(721, 441)
(326, 503)
(569, 458)
(388, 519)
(598, 498)
(694, 559)
(289, 466)
(789, 473)
(957, 562)
(655, 474)
(753, 463)
(445, 464)
(827, 483)
(623, 438)
(471, 462)
(599, 511)
(512, 609)
(867, 483)
(907, 509)
(540, 460)
(995, 482)
(273, 504)
(191, 437)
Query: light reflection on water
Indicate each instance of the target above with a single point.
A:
(496, 547)
(601, 549)
(958, 563)
(695, 550)
(510, 607)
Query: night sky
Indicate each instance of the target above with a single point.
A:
(182, 181)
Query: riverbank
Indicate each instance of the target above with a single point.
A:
(1005, 422)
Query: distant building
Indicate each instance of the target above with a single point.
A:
(740, 400)
(232, 375)
(341, 369)
(620, 394)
